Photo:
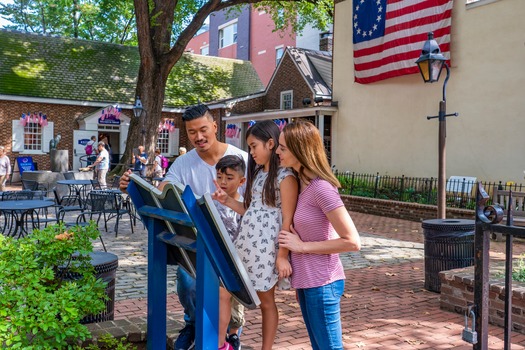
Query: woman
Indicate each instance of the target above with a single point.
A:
(322, 228)
(5, 168)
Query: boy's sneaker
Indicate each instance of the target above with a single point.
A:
(186, 338)
(234, 341)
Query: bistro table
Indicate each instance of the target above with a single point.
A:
(20, 210)
(77, 186)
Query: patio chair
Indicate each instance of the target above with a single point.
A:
(109, 204)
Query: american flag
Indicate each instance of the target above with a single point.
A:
(389, 34)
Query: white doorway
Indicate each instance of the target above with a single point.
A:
(80, 139)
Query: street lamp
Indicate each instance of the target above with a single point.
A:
(138, 110)
(430, 64)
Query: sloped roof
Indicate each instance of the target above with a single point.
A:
(80, 70)
(316, 68)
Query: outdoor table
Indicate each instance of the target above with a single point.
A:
(77, 186)
(20, 210)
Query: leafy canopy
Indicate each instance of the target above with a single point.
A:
(114, 20)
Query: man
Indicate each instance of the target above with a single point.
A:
(102, 164)
(140, 160)
(5, 168)
(197, 170)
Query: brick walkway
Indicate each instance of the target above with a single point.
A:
(384, 306)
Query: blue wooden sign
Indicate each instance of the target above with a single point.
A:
(188, 231)
(25, 164)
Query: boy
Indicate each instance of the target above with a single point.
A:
(230, 177)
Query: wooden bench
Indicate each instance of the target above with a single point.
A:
(501, 197)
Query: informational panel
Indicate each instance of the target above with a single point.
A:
(189, 232)
(25, 164)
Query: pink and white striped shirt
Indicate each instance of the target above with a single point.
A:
(312, 225)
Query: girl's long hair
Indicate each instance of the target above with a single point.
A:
(304, 141)
(263, 131)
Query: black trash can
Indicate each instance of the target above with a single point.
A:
(449, 244)
(105, 265)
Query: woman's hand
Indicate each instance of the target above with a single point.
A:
(291, 240)
(284, 268)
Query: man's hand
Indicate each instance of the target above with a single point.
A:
(124, 181)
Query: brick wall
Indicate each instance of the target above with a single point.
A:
(287, 78)
(457, 290)
(249, 106)
(63, 117)
(401, 210)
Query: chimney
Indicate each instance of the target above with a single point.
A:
(325, 41)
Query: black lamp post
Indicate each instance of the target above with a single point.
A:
(430, 63)
(138, 110)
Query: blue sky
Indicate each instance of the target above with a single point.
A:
(3, 21)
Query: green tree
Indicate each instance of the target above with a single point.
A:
(101, 20)
(161, 28)
(164, 29)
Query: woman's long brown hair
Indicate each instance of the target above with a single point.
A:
(304, 141)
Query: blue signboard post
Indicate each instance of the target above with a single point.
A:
(25, 164)
(188, 231)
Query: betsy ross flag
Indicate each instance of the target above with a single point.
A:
(389, 35)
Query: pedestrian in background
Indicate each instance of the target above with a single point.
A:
(5, 168)
(322, 228)
(101, 164)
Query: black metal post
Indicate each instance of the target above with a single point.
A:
(481, 271)
(442, 135)
(508, 275)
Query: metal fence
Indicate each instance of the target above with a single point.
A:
(461, 192)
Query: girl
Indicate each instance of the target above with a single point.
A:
(322, 229)
(269, 204)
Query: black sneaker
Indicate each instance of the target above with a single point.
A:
(186, 338)
(234, 341)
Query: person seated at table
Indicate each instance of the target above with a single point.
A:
(101, 164)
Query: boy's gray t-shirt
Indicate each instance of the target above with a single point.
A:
(230, 218)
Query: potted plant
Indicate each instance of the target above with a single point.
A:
(40, 304)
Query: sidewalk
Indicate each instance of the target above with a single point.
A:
(384, 306)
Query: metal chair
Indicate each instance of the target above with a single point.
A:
(109, 204)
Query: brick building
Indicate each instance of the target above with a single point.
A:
(248, 34)
(79, 88)
(300, 87)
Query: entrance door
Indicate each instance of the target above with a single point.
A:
(80, 139)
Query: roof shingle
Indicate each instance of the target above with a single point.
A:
(43, 66)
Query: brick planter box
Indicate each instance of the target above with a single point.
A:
(457, 289)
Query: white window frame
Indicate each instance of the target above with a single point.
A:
(278, 58)
(228, 34)
(18, 143)
(207, 47)
(163, 141)
(286, 99)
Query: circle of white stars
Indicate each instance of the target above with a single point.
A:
(369, 31)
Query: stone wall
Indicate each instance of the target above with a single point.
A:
(457, 290)
(401, 210)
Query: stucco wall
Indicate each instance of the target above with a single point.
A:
(382, 127)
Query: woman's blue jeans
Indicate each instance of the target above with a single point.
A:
(187, 291)
(321, 308)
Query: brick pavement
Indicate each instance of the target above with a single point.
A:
(384, 306)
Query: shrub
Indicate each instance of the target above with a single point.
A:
(40, 308)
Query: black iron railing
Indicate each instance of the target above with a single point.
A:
(460, 191)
